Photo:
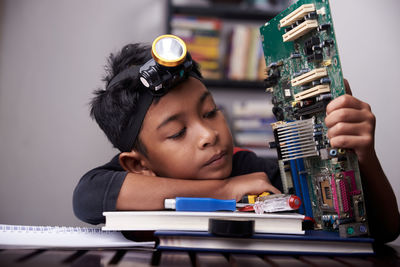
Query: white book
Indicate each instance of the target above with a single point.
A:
(45, 237)
(282, 223)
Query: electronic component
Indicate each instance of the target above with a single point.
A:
(295, 139)
(316, 90)
(353, 229)
(304, 75)
(300, 30)
(311, 110)
(276, 202)
(297, 14)
(309, 76)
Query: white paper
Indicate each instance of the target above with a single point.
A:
(28, 237)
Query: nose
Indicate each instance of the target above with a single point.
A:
(207, 136)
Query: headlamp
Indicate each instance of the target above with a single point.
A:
(170, 64)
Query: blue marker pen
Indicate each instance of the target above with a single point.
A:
(199, 204)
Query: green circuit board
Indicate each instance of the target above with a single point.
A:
(304, 74)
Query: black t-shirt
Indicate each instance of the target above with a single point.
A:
(98, 189)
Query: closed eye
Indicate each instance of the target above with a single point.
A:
(179, 134)
(211, 114)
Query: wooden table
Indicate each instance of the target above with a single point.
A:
(385, 256)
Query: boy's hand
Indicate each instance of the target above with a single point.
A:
(253, 183)
(351, 124)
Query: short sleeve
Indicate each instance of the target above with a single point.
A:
(97, 191)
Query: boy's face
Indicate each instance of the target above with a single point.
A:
(186, 136)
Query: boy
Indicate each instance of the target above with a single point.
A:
(182, 147)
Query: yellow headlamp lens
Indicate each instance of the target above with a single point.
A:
(169, 50)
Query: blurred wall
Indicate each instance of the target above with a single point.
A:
(52, 55)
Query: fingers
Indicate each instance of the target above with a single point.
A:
(357, 142)
(343, 128)
(274, 190)
(268, 186)
(351, 124)
(350, 129)
(349, 115)
(256, 183)
(346, 101)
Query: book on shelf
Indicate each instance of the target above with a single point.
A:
(251, 123)
(239, 50)
(256, 123)
(203, 41)
(61, 237)
(254, 138)
(253, 108)
(198, 221)
(312, 242)
(222, 50)
(246, 57)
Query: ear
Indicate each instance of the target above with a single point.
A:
(135, 162)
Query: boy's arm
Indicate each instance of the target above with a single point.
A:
(352, 125)
(109, 188)
(142, 192)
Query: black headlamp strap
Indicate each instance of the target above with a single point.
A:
(131, 131)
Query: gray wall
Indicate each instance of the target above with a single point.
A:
(52, 55)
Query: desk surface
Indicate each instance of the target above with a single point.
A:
(386, 256)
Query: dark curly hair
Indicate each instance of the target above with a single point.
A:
(112, 107)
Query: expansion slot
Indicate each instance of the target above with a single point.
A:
(304, 188)
(316, 90)
(287, 182)
(311, 110)
(296, 15)
(296, 182)
(300, 30)
(309, 76)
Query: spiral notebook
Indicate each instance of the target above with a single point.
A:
(35, 237)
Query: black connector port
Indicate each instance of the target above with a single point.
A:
(311, 110)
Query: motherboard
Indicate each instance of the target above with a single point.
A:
(304, 74)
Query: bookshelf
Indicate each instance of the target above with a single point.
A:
(223, 11)
(226, 16)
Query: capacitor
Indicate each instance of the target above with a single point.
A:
(327, 43)
(324, 27)
(323, 97)
(325, 80)
(311, 15)
(317, 133)
(315, 83)
(295, 55)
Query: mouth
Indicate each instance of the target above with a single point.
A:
(216, 158)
